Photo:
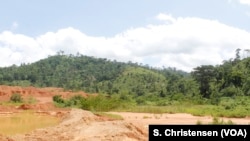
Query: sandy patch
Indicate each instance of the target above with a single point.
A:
(179, 118)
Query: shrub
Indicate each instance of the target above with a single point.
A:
(17, 98)
(228, 103)
(100, 103)
(58, 99)
(230, 91)
(216, 120)
(198, 122)
(75, 101)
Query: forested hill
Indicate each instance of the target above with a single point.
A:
(95, 75)
(99, 75)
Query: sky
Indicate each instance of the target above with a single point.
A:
(181, 34)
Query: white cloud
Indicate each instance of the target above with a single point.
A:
(17, 48)
(185, 43)
(247, 2)
(166, 17)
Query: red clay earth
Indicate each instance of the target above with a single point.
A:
(76, 124)
(42, 96)
(81, 125)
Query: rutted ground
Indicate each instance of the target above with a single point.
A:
(80, 125)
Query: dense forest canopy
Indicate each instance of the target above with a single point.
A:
(132, 80)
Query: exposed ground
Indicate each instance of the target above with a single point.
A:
(80, 125)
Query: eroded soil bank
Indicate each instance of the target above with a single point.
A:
(81, 125)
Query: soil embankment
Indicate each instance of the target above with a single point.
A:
(80, 125)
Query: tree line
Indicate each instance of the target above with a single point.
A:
(132, 80)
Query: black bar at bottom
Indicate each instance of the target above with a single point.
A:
(198, 132)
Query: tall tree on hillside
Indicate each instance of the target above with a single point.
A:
(237, 55)
(204, 75)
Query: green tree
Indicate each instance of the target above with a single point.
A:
(237, 54)
(204, 75)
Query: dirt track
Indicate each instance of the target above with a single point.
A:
(178, 118)
(80, 125)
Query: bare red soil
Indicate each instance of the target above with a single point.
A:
(42, 96)
(80, 125)
(76, 125)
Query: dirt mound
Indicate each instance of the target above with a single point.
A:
(2, 138)
(24, 107)
(37, 107)
(80, 125)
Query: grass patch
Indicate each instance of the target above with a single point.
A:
(216, 120)
(30, 100)
(196, 110)
(158, 117)
(17, 100)
(108, 115)
(25, 122)
(144, 109)
(156, 109)
(8, 103)
(100, 103)
(227, 107)
(146, 117)
(199, 122)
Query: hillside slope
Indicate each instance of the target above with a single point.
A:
(99, 75)
(94, 75)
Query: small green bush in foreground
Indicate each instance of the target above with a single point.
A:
(16, 98)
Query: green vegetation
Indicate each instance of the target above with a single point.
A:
(16, 98)
(146, 117)
(217, 121)
(95, 75)
(31, 100)
(228, 107)
(94, 103)
(199, 122)
(221, 90)
(25, 122)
